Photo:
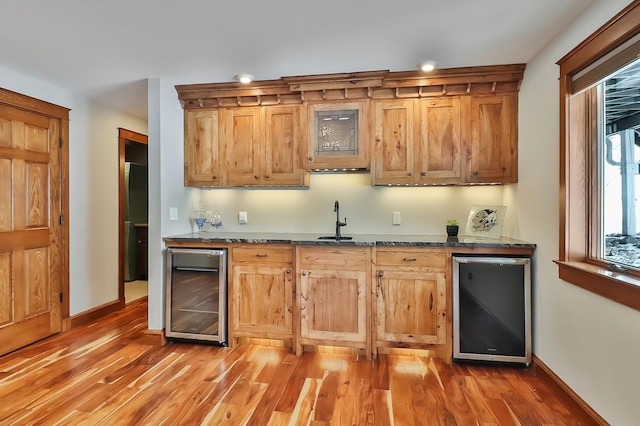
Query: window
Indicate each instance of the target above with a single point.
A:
(618, 168)
(600, 151)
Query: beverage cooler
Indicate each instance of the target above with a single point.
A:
(492, 309)
(196, 294)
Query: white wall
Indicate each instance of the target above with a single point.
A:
(93, 203)
(593, 344)
(93, 189)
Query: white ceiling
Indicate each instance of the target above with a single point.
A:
(106, 49)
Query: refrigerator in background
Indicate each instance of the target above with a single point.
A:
(136, 202)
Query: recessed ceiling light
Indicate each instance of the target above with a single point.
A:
(427, 66)
(244, 78)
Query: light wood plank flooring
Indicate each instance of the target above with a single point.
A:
(113, 373)
(134, 290)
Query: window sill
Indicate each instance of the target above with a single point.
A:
(619, 287)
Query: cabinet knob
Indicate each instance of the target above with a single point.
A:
(267, 177)
(288, 271)
(423, 174)
(410, 173)
(310, 158)
(215, 177)
(475, 173)
(304, 273)
(256, 177)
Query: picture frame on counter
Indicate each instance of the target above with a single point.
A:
(486, 221)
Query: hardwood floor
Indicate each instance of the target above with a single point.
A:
(113, 373)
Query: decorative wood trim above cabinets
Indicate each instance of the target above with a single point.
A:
(487, 80)
(454, 126)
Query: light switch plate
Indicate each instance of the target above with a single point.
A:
(242, 217)
(173, 213)
(395, 218)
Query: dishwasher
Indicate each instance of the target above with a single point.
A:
(196, 294)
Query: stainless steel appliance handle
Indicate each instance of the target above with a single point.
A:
(180, 268)
(493, 260)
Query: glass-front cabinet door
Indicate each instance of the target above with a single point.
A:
(337, 136)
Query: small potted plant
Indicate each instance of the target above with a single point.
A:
(452, 228)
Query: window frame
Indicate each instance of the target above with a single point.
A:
(578, 188)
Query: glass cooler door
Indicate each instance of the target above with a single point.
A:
(196, 294)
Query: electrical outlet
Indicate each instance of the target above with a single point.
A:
(173, 213)
(395, 218)
(242, 217)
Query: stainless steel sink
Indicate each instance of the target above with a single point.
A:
(334, 237)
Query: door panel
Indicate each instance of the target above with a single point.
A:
(333, 305)
(201, 148)
(263, 299)
(411, 307)
(282, 156)
(394, 142)
(440, 140)
(30, 235)
(6, 307)
(242, 142)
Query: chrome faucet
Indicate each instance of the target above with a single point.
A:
(336, 208)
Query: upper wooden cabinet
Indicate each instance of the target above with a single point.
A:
(337, 136)
(394, 141)
(201, 141)
(417, 141)
(440, 141)
(452, 126)
(261, 146)
(492, 139)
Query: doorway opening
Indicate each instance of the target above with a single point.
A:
(133, 214)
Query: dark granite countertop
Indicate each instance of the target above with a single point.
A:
(357, 239)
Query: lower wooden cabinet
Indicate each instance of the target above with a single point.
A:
(411, 299)
(261, 292)
(333, 297)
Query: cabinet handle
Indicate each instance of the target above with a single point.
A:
(431, 302)
(409, 259)
(262, 255)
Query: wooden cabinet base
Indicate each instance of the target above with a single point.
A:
(333, 297)
(411, 308)
(444, 352)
